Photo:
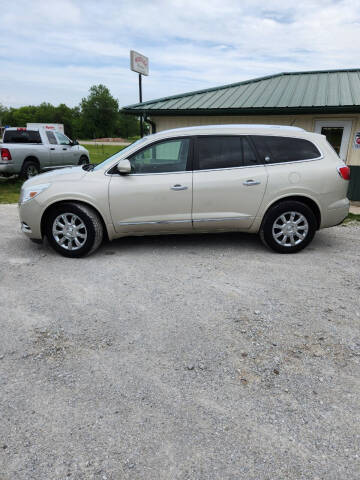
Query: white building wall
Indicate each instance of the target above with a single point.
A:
(304, 121)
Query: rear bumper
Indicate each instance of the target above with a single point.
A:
(335, 213)
(7, 169)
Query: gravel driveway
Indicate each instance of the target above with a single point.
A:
(186, 358)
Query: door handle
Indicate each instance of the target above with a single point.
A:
(178, 187)
(52, 148)
(248, 183)
(64, 148)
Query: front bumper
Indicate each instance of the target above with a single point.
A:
(30, 214)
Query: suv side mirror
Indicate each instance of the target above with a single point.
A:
(124, 166)
(75, 142)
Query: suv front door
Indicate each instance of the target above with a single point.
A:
(157, 195)
(228, 183)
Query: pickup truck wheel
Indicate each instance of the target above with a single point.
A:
(288, 227)
(83, 160)
(29, 169)
(74, 230)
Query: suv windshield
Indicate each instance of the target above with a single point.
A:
(120, 152)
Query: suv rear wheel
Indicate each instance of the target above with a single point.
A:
(29, 169)
(74, 230)
(288, 227)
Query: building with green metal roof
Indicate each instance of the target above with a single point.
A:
(327, 102)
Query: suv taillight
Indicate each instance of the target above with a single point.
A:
(5, 155)
(344, 172)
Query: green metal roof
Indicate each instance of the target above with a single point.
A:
(288, 92)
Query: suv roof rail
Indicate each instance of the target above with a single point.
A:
(234, 125)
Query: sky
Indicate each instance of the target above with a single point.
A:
(55, 50)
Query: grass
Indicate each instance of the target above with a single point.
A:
(10, 187)
(98, 153)
(9, 190)
(351, 218)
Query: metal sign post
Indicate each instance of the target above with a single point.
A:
(140, 64)
(141, 116)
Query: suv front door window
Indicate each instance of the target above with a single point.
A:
(163, 157)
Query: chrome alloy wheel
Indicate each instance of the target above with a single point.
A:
(290, 229)
(69, 231)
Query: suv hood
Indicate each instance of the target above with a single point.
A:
(60, 175)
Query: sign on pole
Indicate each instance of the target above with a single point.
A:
(139, 63)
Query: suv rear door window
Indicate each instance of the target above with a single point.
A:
(21, 136)
(224, 152)
(284, 149)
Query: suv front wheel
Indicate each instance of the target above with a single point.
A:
(74, 229)
(288, 227)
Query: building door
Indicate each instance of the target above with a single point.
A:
(337, 133)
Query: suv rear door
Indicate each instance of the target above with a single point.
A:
(228, 183)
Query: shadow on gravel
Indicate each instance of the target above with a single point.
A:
(192, 244)
(196, 242)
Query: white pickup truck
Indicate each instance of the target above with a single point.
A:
(27, 152)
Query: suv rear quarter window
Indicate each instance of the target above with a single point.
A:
(284, 149)
(21, 136)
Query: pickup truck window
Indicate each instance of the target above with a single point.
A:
(62, 139)
(51, 138)
(21, 136)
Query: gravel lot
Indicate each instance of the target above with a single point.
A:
(186, 358)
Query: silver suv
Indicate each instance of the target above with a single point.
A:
(281, 182)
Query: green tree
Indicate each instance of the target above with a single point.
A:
(3, 112)
(128, 125)
(99, 113)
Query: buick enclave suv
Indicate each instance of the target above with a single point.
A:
(281, 182)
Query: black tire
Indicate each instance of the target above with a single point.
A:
(279, 226)
(29, 169)
(83, 160)
(88, 220)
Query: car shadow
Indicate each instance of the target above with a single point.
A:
(195, 242)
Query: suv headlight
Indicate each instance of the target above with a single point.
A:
(28, 193)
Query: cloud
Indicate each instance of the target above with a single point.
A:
(54, 51)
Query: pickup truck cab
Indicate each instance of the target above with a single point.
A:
(27, 152)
